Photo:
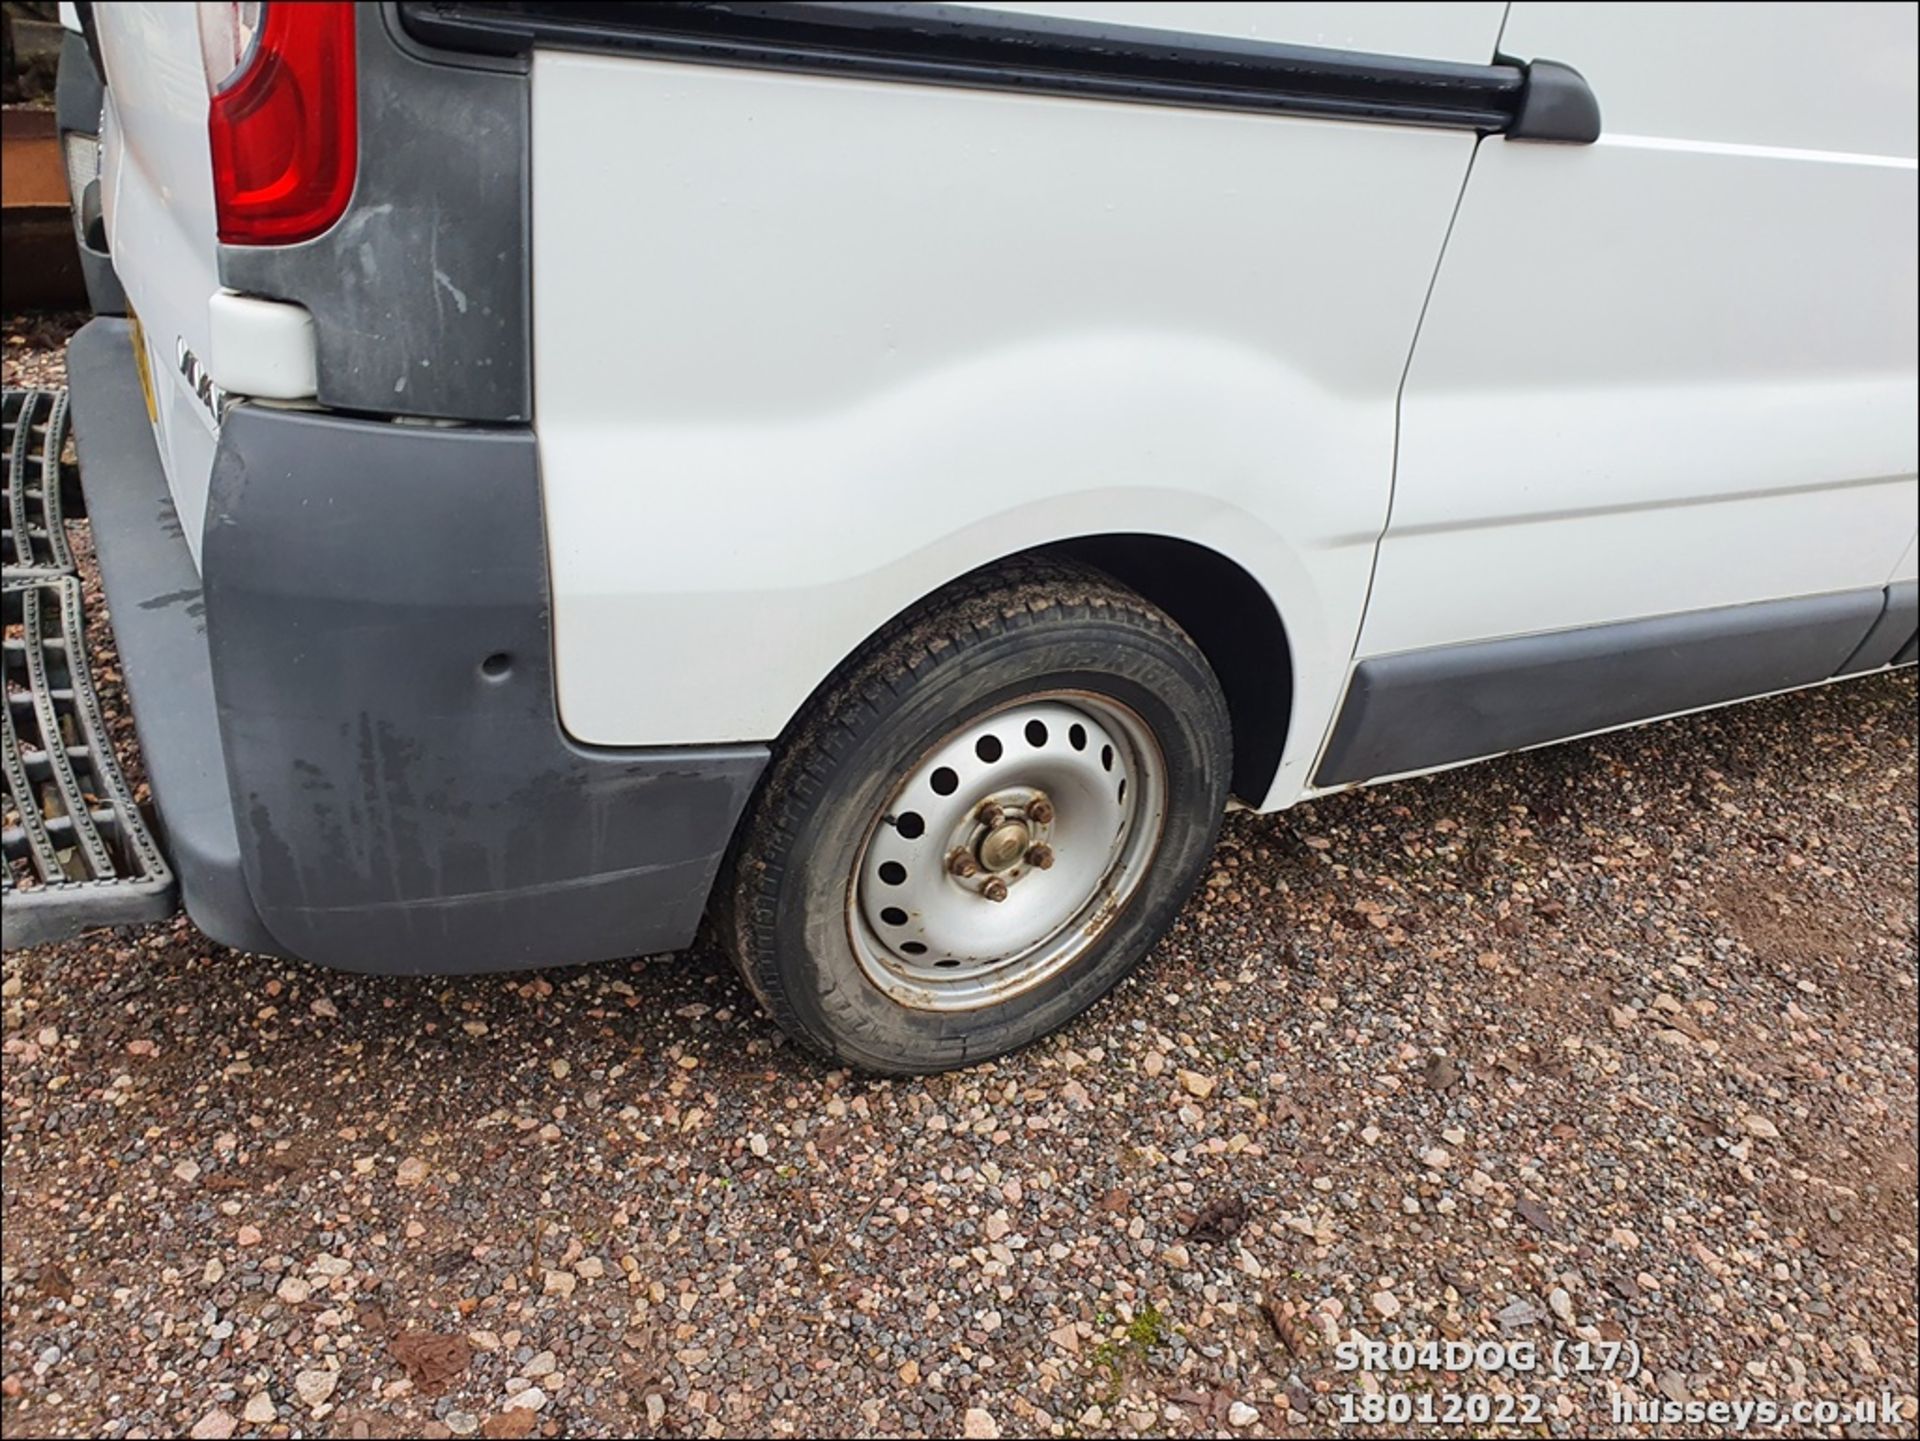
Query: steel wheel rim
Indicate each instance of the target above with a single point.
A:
(1076, 774)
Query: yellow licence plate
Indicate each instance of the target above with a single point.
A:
(140, 364)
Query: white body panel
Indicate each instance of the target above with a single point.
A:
(1908, 566)
(157, 196)
(863, 337)
(1675, 369)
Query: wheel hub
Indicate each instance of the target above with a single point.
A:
(1006, 849)
(1003, 846)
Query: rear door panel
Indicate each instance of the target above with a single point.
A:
(157, 194)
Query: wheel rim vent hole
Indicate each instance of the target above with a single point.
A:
(894, 916)
(988, 748)
(910, 824)
(893, 873)
(1036, 733)
(944, 781)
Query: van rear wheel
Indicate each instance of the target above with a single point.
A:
(981, 824)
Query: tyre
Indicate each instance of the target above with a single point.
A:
(981, 823)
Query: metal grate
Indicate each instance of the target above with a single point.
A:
(78, 854)
(35, 440)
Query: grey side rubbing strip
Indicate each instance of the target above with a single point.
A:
(380, 629)
(1010, 50)
(1426, 708)
(1891, 633)
(421, 294)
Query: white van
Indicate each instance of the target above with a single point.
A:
(889, 476)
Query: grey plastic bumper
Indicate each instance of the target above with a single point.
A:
(371, 713)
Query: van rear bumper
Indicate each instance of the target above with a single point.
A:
(160, 630)
(348, 713)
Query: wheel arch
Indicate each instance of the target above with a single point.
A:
(1214, 598)
(1233, 620)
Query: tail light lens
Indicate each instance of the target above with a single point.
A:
(282, 122)
(82, 154)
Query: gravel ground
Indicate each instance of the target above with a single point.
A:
(1614, 1041)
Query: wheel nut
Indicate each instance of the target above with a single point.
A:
(962, 864)
(991, 815)
(995, 889)
(1040, 857)
(1040, 811)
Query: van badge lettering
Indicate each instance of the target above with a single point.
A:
(212, 398)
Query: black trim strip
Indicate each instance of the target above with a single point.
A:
(1557, 105)
(1425, 708)
(1003, 50)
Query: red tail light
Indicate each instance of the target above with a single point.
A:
(283, 127)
